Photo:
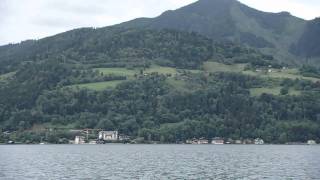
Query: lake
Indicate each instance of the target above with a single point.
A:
(113, 161)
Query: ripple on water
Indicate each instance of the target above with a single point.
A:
(159, 162)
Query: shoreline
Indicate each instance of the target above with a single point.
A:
(4, 144)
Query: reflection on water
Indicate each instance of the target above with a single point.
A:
(159, 162)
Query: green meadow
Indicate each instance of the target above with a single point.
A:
(272, 90)
(276, 76)
(99, 86)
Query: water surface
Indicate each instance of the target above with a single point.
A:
(159, 162)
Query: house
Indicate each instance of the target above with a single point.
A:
(311, 142)
(197, 141)
(108, 135)
(123, 137)
(6, 133)
(193, 141)
(258, 141)
(217, 141)
(203, 141)
(79, 140)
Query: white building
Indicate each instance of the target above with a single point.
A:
(311, 142)
(217, 141)
(108, 135)
(79, 140)
(258, 141)
(203, 141)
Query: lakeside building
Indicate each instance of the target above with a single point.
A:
(123, 137)
(108, 135)
(197, 141)
(259, 141)
(203, 141)
(217, 141)
(79, 140)
(311, 142)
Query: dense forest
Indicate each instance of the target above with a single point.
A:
(38, 89)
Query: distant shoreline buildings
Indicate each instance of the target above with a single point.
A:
(221, 141)
(108, 135)
(100, 136)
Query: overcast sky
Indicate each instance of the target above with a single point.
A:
(34, 19)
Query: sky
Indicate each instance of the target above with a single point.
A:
(34, 19)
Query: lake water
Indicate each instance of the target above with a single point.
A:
(159, 162)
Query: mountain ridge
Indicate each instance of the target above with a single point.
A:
(272, 33)
(279, 34)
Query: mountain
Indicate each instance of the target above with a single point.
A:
(287, 38)
(273, 33)
(190, 73)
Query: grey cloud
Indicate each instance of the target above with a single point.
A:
(80, 7)
(56, 22)
(3, 10)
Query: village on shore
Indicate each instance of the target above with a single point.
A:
(114, 137)
(100, 136)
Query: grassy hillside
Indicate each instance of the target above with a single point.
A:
(5, 77)
(219, 67)
(99, 86)
(176, 79)
(290, 73)
(132, 74)
(272, 90)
